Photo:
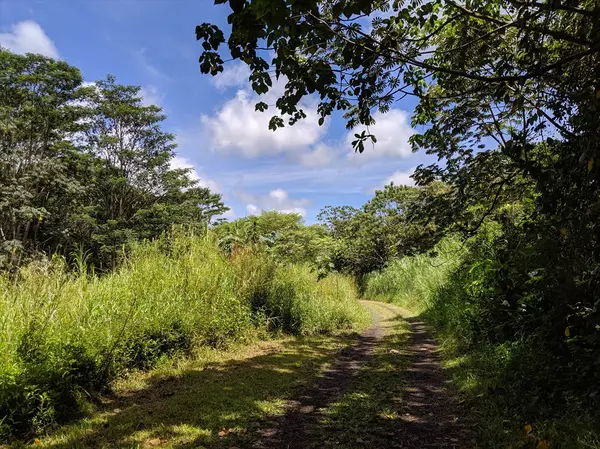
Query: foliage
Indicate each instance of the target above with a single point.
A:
(85, 166)
(413, 281)
(216, 399)
(283, 235)
(511, 368)
(509, 103)
(367, 238)
(472, 65)
(65, 335)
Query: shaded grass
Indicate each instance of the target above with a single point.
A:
(495, 380)
(368, 415)
(483, 375)
(216, 400)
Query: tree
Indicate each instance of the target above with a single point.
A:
(85, 166)
(39, 165)
(508, 100)
(384, 228)
(285, 236)
(137, 193)
(489, 76)
(439, 50)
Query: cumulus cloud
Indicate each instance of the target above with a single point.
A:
(151, 95)
(237, 128)
(28, 37)
(277, 199)
(399, 178)
(181, 162)
(392, 131)
(234, 75)
(251, 209)
(322, 155)
(230, 215)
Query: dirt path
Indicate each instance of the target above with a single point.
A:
(431, 415)
(427, 414)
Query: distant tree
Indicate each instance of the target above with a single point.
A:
(369, 237)
(284, 235)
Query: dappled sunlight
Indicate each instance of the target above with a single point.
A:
(214, 402)
(399, 399)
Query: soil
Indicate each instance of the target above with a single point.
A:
(429, 415)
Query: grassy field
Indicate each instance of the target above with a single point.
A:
(66, 337)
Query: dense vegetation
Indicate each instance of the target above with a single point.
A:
(498, 246)
(66, 335)
(107, 260)
(85, 166)
(508, 99)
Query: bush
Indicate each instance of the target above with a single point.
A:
(302, 305)
(64, 336)
(498, 342)
(413, 282)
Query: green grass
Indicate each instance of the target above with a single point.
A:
(412, 282)
(368, 414)
(493, 379)
(65, 337)
(216, 399)
(483, 376)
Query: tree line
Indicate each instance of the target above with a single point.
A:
(85, 166)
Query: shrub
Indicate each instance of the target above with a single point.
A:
(66, 335)
(498, 340)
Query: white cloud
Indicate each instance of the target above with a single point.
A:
(28, 37)
(230, 215)
(181, 162)
(234, 75)
(237, 128)
(399, 178)
(392, 131)
(321, 156)
(251, 209)
(277, 199)
(151, 95)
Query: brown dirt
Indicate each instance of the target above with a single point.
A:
(431, 416)
(429, 413)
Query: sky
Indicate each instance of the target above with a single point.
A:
(151, 43)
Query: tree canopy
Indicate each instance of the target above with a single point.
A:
(508, 100)
(85, 166)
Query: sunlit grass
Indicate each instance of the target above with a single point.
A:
(216, 399)
(366, 416)
(412, 282)
(66, 336)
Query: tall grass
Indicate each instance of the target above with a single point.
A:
(65, 335)
(508, 384)
(413, 282)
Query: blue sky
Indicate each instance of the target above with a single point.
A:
(151, 43)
